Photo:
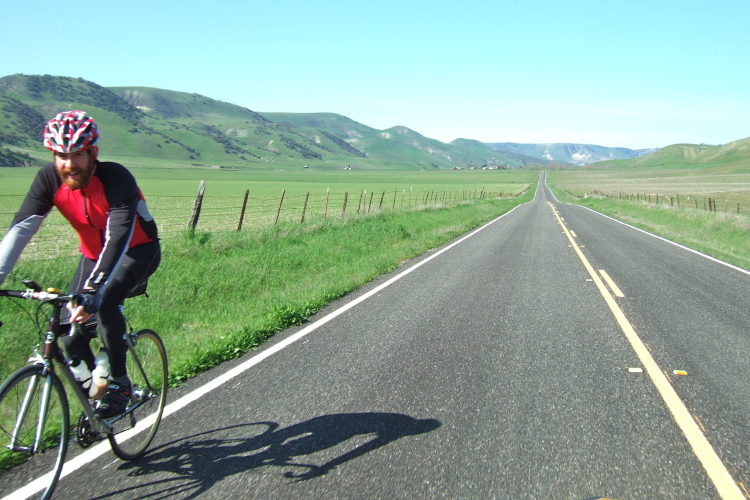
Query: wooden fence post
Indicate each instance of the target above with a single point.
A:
(242, 214)
(346, 198)
(382, 197)
(278, 210)
(369, 207)
(197, 207)
(304, 208)
(325, 212)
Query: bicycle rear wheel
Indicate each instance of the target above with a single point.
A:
(33, 434)
(147, 369)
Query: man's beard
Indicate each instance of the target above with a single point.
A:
(83, 177)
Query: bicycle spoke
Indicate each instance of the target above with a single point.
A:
(34, 428)
(147, 369)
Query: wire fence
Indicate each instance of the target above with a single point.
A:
(178, 214)
(680, 201)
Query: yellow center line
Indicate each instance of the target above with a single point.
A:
(715, 468)
(615, 289)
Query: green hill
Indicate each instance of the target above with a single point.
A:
(186, 128)
(191, 128)
(397, 144)
(735, 155)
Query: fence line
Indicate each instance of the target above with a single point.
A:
(706, 203)
(250, 211)
(176, 214)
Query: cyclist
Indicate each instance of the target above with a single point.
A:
(118, 241)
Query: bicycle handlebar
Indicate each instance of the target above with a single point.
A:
(30, 294)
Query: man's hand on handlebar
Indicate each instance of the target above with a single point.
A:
(84, 305)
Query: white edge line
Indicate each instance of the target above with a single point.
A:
(731, 266)
(76, 463)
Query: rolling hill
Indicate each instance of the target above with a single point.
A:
(735, 154)
(187, 128)
(192, 128)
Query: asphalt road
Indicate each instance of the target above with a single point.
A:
(495, 367)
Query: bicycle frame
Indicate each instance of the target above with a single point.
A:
(53, 353)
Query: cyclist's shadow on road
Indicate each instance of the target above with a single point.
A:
(208, 457)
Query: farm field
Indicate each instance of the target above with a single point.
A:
(171, 180)
(728, 187)
(171, 193)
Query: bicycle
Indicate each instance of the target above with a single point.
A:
(34, 410)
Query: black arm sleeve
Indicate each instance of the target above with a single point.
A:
(122, 194)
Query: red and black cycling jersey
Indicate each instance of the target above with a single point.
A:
(109, 214)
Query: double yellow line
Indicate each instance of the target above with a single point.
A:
(715, 468)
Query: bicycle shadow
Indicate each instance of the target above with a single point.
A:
(198, 462)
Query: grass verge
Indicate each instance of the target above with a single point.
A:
(718, 234)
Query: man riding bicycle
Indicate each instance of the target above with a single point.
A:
(118, 241)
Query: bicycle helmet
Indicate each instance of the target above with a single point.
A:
(70, 131)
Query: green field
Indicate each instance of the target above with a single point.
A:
(158, 179)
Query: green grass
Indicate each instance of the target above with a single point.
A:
(160, 179)
(218, 294)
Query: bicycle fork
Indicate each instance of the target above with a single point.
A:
(23, 413)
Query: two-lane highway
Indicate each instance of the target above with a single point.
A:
(493, 367)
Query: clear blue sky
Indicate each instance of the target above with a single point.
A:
(633, 73)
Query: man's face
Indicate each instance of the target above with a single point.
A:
(76, 169)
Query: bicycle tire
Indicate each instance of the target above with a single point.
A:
(134, 432)
(20, 464)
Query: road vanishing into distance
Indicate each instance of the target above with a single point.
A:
(552, 353)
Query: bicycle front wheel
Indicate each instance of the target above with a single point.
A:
(34, 429)
(147, 369)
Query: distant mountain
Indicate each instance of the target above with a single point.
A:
(170, 125)
(396, 144)
(577, 154)
(192, 128)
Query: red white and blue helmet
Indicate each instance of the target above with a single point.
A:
(70, 131)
